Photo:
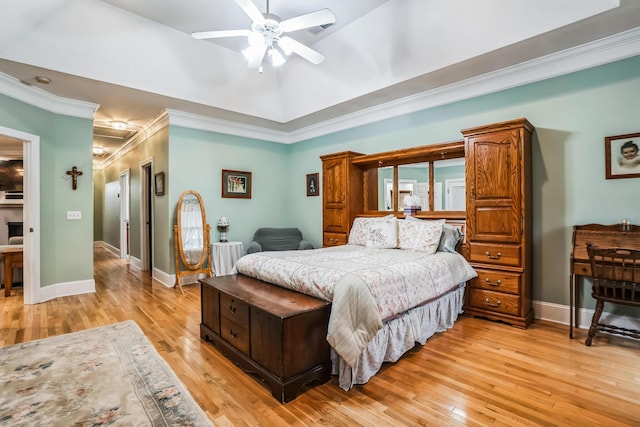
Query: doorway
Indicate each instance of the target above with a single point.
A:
(31, 208)
(456, 194)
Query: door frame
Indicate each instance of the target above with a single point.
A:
(30, 212)
(147, 214)
(125, 213)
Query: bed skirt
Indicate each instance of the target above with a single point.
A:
(398, 336)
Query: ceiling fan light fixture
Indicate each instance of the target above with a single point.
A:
(276, 57)
(251, 52)
(255, 39)
(267, 34)
(285, 48)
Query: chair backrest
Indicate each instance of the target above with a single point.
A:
(616, 274)
(278, 239)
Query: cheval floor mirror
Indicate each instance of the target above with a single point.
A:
(191, 236)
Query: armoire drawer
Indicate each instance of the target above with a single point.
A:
(334, 239)
(498, 281)
(494, 301)
(491, 253)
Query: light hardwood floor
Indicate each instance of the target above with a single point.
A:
(479, 373)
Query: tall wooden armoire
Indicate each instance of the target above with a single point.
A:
(341, 196)
(499, 221)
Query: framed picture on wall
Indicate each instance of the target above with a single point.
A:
(313, 186)
(158, 183)
(622, 156)
(236, 184)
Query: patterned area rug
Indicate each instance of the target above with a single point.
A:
(110, 375)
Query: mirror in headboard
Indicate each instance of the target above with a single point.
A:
(191, 237)
(414, 172)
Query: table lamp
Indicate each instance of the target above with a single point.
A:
(223, 228)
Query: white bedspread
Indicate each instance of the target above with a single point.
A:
(366, 286)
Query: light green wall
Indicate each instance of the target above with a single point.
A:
(572, 115)
(66, 246)
(196, 162)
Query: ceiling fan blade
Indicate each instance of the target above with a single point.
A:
(219, 34)
(313, 19)
(256, 61)
(252, 10)
(290, 45)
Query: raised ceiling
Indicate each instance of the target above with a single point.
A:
(136, 58)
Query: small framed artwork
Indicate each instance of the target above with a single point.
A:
(622, 156)
(313, 188)
(158, 183)
(236, 184)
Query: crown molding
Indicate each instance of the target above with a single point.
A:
(609, 49)
(194, 121)
(606, 50)
(37, 97)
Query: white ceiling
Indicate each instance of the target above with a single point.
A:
(136, 58)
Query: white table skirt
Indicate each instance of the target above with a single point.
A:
(224, 256)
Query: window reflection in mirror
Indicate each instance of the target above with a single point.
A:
(450, 185)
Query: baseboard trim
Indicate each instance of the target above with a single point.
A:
(66, 289)
(560, 314)
(135, 263)
(164, 278)
(107, 246)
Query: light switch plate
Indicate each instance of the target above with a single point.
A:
(74, 214)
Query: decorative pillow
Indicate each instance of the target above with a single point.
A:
(360, 227)
(383, 234)
(450, 239)
(423, 235)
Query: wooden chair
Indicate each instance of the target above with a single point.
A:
(616, 279)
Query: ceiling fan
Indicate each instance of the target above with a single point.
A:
(266, 35)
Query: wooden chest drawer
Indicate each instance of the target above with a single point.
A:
(334, 239)
(489, 253)
(278, 334)
(494, 301)
(234, 322)
(498, 281)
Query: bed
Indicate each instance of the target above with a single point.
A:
(395, 283)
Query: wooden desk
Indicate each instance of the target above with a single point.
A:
(12, 256)
(611, 236)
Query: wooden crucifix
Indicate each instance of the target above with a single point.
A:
(75, 173)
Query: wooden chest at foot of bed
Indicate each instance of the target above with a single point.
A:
(278, 334)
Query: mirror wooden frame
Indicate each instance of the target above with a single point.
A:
(370, 163)
(204, 264)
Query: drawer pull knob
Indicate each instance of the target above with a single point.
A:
(488, 254)
(232, 308)
(233, 333)
(487, 302)
(496, 283)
